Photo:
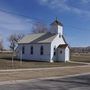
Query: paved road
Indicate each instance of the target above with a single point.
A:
(81, 82)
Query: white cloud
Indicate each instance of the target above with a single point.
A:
(10, 24)
(85, 1)
(63, 5)
(13, 23)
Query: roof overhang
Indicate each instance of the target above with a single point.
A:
(63, 46)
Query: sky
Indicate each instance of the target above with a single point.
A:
(18, 16)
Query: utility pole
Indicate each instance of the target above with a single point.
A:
(12, 58)
(20, 57)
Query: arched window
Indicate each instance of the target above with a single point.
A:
(23, 49)
(41, 50)
(31, 50)
(54, 51)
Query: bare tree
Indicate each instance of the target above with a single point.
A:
(1, 45)
(39, 27)
(13, 39)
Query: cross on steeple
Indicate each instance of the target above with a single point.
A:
(57, 22)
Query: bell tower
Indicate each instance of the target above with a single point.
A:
(56, 27)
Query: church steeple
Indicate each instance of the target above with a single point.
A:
(56, 22)
(57, 27)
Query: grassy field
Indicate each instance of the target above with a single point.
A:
(83, 57)
(6, 55)
(7, 64)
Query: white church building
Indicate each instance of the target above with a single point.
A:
(50, 46)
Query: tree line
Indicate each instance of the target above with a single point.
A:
(80, 49)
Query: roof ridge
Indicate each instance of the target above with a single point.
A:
(57, 22)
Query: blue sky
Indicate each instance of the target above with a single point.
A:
(17, 16)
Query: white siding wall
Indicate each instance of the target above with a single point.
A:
(67, 54)
(55, 43)
(57, 29)
(64, 56)
(54, 29)
(60, 30)
(61, 56)
(36, 52)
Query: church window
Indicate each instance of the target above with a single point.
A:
(54, 51)
(31, 49)
(23, 49)
(41, 50)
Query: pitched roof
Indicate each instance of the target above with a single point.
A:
(63, 45)
(64, 39)
(56, 22)
(38, 38)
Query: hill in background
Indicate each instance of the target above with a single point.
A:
(80, 49)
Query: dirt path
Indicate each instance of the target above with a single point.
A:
(25, 74)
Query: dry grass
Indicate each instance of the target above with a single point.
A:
(6, 55)
(7, 64)
(84, 57)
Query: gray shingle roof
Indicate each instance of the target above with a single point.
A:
(38, 38)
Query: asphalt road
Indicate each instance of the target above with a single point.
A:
(81, 82)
